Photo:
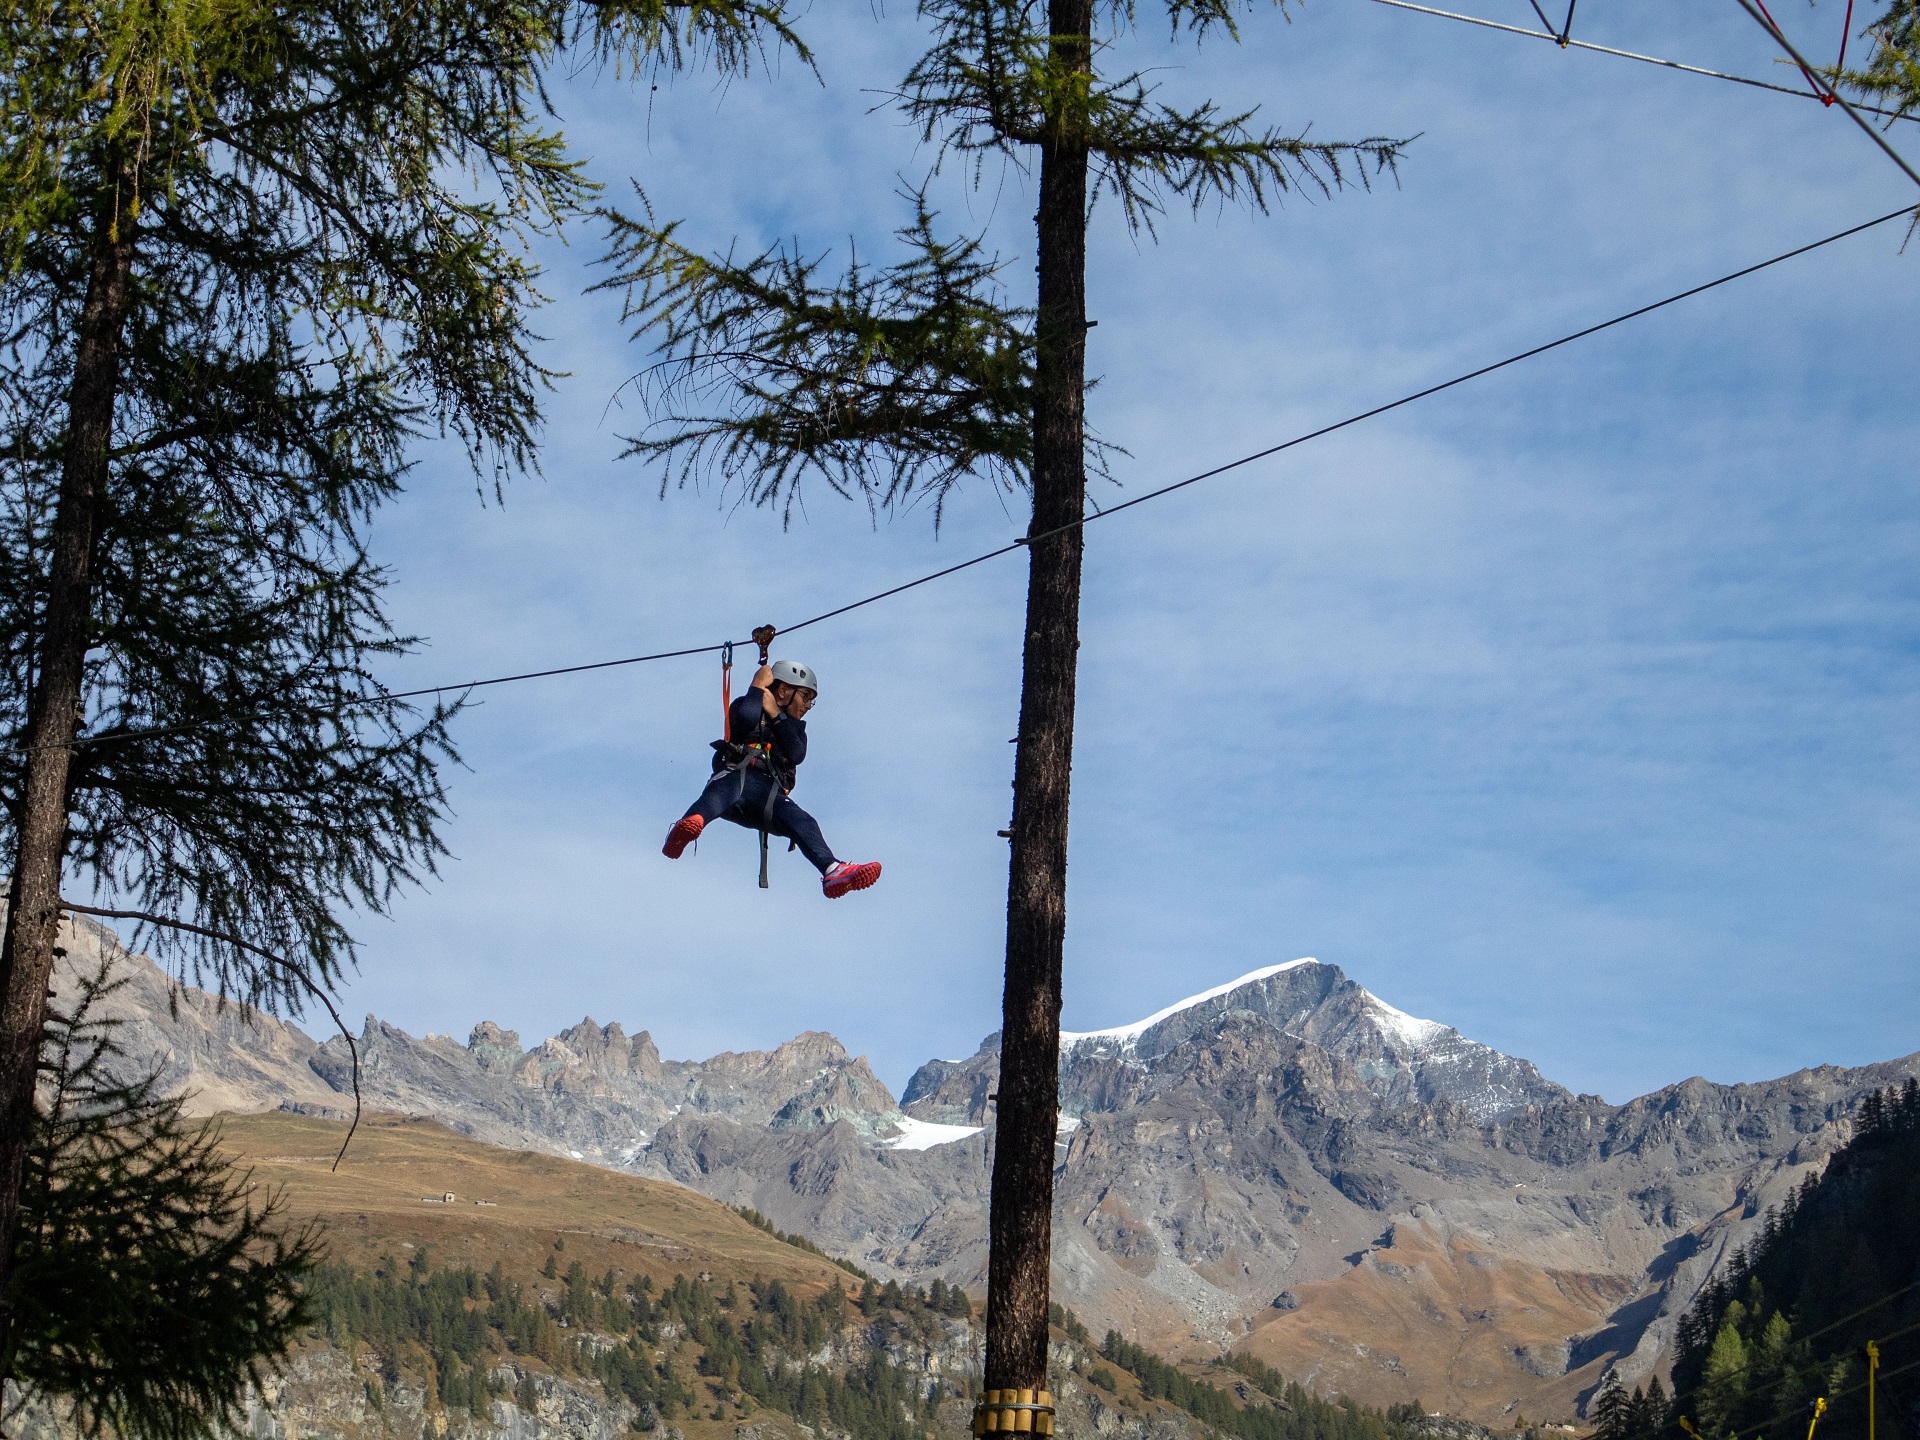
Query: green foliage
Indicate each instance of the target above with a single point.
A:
(905, 379)
(155, 78)
(152, 1283)
(1891, 77)
(1785, 1321)
(1296, 1414)
(331, 205)
(1060, 1317)
(952, 1301)
(452, 1325)
(884, 382)
(447, 1325)
(1608, 1410)
(758, 1343)
(874, 1399)
(1259, 1372)
(996, 81)
(1645, 1413)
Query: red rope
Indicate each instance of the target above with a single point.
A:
(1845, 31)
(726, 692)
(1819, 90)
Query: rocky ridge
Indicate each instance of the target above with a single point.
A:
(323, 1392)
(589, 1092)
(1285, 1165)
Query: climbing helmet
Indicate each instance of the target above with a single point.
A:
(789, 672)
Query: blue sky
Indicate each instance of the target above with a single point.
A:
(1575, 708)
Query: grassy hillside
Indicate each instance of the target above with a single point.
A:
(539, 1267)
(510, 1207)
(461, 1276)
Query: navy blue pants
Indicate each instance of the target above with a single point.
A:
(741, 796)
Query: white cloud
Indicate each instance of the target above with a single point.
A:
(1574, 708)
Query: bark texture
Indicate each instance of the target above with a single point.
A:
(55, 707)
(1021, 1217)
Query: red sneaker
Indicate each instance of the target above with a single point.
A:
(685, 831)
(842, 877)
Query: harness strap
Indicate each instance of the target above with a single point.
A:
(753, 754)
(766, 818)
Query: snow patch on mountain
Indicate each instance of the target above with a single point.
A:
(1410, 1030)
(1127, 1034)
(925, 1134)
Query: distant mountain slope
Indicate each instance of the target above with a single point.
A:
(1285, 1165)
(590, 1092)
(1836, 1268)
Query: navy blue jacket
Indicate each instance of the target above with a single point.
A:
(787, 735)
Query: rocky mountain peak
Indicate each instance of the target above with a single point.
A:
(1284, 1164)
(1398, 1058)
(493, 1049)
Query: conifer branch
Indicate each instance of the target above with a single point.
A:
(669, 34)
(1892, 72)
(994, 82)
(152, 1288)
(297, 972)
(887, 383)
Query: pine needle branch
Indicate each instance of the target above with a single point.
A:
(889, 383)
(729, 35)
(153, 1283)
(994, 81)
(298, 973)
(1892, 72)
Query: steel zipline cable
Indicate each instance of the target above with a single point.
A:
(1829, 94)
(465, 686)
(1567, 43)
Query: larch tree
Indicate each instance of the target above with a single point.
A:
(1891, 76)
(250, 250)
(902, 381)
(154, 1281)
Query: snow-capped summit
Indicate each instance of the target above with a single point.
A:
(1401, 1058)
(1127, 1033)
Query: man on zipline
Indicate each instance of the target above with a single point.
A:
(753, 771)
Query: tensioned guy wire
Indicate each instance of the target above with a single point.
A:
(1568, 43)
(1027, 540)
(1765, 22)
(1463, 379)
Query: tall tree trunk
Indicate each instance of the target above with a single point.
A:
(55, 707)
(1021, 1223)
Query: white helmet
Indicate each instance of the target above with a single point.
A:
(789, 672)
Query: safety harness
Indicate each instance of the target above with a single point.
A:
(752, 751)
